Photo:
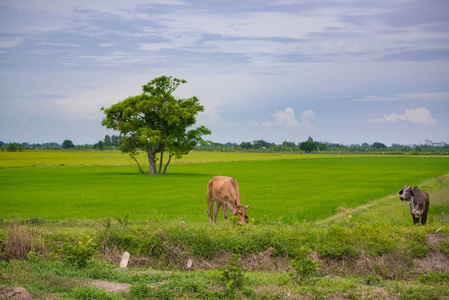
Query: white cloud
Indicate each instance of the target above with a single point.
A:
(411, 115)
(306, 116)
(287, 118)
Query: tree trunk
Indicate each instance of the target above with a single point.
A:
(152, 162)
(160, 162)
(169, 159)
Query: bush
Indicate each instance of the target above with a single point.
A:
(232, 276)
(304, 267)
(78, 253)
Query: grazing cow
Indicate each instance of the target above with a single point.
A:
(225, 191)
(418, 201)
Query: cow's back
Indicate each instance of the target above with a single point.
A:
(222, 188)
(421, 198)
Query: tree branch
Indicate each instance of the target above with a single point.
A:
(169, 159)
(140, 169)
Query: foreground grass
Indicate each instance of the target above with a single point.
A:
(44, 278)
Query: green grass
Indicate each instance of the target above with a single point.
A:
(372, 255)
(60, 158)
(292, 189)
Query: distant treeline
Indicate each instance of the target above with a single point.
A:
(312, 146)
(109, 143)
(113, 142)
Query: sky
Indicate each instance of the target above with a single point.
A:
(346, 71)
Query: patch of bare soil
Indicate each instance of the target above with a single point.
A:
(15, 293)
(435, 261)
(111, 287)
(263, 261)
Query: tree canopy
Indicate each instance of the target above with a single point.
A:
(309, 145)
(157, 122)
(67, 144)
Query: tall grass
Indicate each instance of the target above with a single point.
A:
(291, 189)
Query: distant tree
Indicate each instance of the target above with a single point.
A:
(259, 144)
(288, 144)
(246, 145)
(156, 122)
(309, 145)
(115, 139)
(67, 144)
(14, 147)
(322, 147)
(99, 145)
(379, 146)
(107, 141)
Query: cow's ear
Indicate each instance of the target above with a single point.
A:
(247, 206)
(400, 192)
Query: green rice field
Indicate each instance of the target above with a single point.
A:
(292, 187)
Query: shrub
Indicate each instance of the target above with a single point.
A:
(232, 276)
(304, 267)
(78, 253)
(17, 241)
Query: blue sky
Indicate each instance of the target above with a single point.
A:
(337, 70)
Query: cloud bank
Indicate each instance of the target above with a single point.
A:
(411, 115)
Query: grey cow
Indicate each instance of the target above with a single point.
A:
(418, 201)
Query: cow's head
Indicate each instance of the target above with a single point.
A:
(240, 211)
(406, 193)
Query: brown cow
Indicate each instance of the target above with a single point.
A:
(225, 191)
(418, 201)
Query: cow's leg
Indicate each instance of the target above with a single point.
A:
(415, 220)
(424, 218)
(210, 207)
(225, 212)
(217, 208)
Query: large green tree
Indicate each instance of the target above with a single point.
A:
(67, 144)
(157, 123)
(309, 145)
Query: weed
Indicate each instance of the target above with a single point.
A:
(347, 219)
(444, 247)
(431, 277)
(143, 290)
(232, 276)
(123, 223)
(304, 267)
(19, 240)
(88, 293)
(373, 280)
(78, 253)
